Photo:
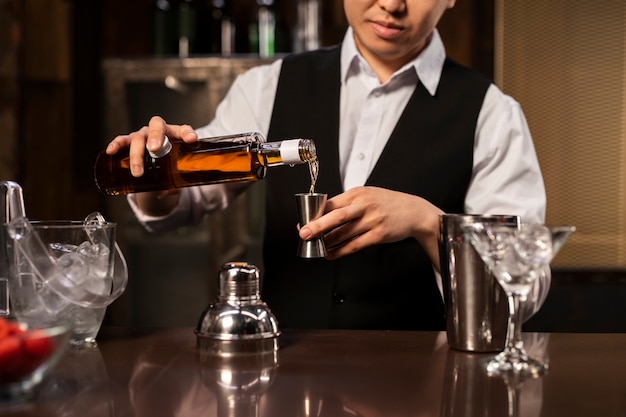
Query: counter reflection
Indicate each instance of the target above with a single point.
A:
(468, 391)
(80, 386)
(321, 377)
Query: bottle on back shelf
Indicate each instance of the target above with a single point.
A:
(262, 29)
(187, 27)
(164, 28)
(222, 28)
(232, 158)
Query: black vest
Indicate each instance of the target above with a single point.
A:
(430, 154)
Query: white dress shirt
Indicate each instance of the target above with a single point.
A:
(506, 177)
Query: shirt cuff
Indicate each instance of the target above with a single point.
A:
(161, 223)
(193, 204)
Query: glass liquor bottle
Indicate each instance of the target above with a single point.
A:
(222, 28)
(164, 39)
(232, 158)
(187, 28)
(307, 31)
(262, 29)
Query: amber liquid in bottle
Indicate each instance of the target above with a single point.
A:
(208, 161)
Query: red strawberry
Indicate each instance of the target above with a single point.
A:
(11, 357)
(15, 328)
(4, 328)
(37, 344)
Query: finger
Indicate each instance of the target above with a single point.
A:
(338, 201)
(158, 129)
(137, 151)
(184, 132)
(348, 247)
(328, 222)
(342, 234)
(156, 133)
(118, 143)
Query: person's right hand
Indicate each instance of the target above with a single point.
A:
(156, 203)
(150, 137)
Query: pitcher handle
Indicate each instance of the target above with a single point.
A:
(120, 273)
(11, 206)
(4, 297)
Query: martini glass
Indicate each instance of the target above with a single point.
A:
(516, 257)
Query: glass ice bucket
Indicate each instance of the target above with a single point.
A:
(64, 272)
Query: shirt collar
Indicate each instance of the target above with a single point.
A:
(428, 65)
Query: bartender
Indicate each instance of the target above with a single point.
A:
(403, 134)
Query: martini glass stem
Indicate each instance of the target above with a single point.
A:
(514, 347)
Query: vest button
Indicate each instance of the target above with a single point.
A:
(338, 298)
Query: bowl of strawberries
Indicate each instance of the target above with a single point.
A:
(27, 354)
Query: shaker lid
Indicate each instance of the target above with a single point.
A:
(239, 280)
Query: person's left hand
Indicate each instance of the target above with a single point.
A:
(365, 216)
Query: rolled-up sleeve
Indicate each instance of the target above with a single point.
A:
(506, 176)
(193, 204)
(247, 107)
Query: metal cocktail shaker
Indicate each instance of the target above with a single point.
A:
(238, 322)
(476, 306)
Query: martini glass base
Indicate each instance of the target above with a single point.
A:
(507, 363)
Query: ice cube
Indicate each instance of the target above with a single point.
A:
(59, 249)
(96, 284)
(493, 244)
(93, 250)
(97, 256)
(534, 245)
(51, 301)
(94, 223)
(74, 269)
(34, 301)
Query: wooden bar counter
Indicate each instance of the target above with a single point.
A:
(159, 372)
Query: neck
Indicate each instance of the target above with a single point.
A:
(384, 66)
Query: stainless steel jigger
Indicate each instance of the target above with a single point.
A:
(310, 207)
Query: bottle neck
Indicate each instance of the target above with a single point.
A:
(288, 152)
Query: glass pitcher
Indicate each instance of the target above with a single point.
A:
(59, 271)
